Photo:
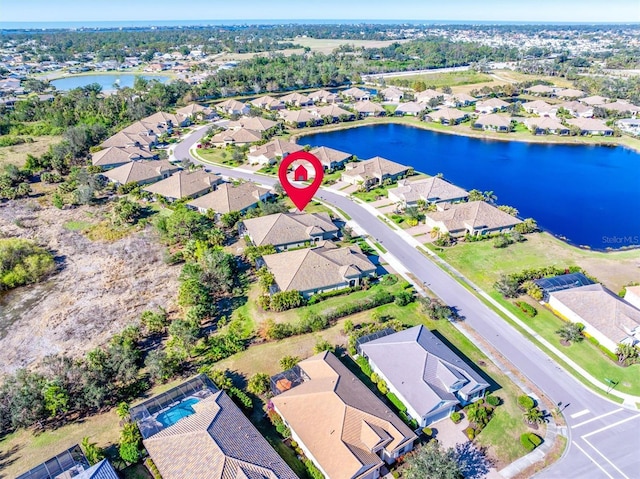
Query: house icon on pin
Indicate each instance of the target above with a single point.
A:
(300, 173)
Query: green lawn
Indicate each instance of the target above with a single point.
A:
(218, 155)
(373, 194)
(438, 80)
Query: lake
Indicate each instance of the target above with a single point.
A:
(587, 195)
(106, 81)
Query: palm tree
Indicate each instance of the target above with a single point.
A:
(490, 197)
(534, 416)
(571, 332)
(627, 354)
(435, 232)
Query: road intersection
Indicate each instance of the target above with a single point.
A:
(604, 437)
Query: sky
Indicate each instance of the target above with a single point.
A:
(481, 10)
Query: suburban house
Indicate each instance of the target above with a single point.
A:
(577, 109)
(298, 118)
(460, 99)
(233, 107)
(591, 126)
(491, 106)
(337, 421)
(194, 112)
(319, 269)
(123, 139)
(268, 103)
(185, 184)
(447, 116)
(356, 94)
(228, 197)
(71, 463)
(241, 136)
(119, 155)
(431, 190)
(296, 99)
(569, 93)
(620, 106)
(540, 108)
(253, 123)
(195, 431)
(428, 377)
(271, 152)
(141, 172)
(474, 218)
(595, 100)
(493, 122)
(331, 159)
(411, 108)
(392, 94)
(323, 96)
(369, 108)
(629, 125)
(608, 318)
(543, 90)
(373, 171)
(632, 296)
(165, 121)
(289, 230)
(545, 124)
(427, 95)
(334, 111)
(560, 283)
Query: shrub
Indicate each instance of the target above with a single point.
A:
(502, 241)
(470, 432)
(492, 400)
(530, 441)
(527, 308)
(313, 471)
(456, 417)
(396, 402)
(535, 439)
(23, 262)
(403, 298)
(374, 378)
(152, 468)
(525, 402)
(382, 387)
(242, 399)
(284, 300)
(364, 365)
(259, 383)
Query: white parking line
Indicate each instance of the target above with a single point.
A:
(598, 417)
(606, 459)
(610, 426)
(593, 460)
(581, 413)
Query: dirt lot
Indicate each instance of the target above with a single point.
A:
(17, 154)
(100, 288)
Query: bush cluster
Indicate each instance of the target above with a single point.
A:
(527, 308)
(530, 441)
(525, 402)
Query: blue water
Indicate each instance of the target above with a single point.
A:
(174, 414)
(106, 81)
(589, 195)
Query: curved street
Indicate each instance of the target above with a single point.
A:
(603, 436)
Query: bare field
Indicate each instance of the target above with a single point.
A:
(17, 154)
(328, 45)
(100, 288)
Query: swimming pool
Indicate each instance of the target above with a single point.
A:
(177, 412)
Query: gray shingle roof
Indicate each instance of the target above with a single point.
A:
(421, 367)
(101, 470)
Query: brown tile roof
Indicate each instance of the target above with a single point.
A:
(241, 135)
(217, 442)
(545, 123)
(332, 110)
(368, 107)
(432, 189)
(446, 113)
(297, 116)
(493, 119)
(492, 103)
(410, 107)
(569, 93)
(356, 93)
(428, 94)
(192, 109)
(339, 419)
(595, 100)
(589, 124)
(252, 123)
(295, 97)
(327, 155)
(621, 107)
(162, 118)
(116, 155)
(540, 89)
(288, 228)
(184, 184)
(123, 138)
(375, 167)
(275, 148)
(477, 215)
(601, 309)
(318, 268)
(231, 105)
(228, 197)
(323, 95)
(141, 171)
(266, 101)
(575, 107)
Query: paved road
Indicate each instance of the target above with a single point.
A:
(604, 437)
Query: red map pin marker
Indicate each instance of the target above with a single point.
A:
(301, 196)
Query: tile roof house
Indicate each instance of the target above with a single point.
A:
(619, 106)
(632, 296)
(411, 108)
(298, 118)
(323, 96)
(141, 172)
(241, 136)
(271, 152)
(216, 442)
(164, 120)
(228, 197)
(125, 139)
(268, 103)
(432, 190)
(356, 94)
(334, 111)
(595, 100)
(101, 470)
(330, 158)
(194, 111)
(339, 423)
(493, 122)
(427, 95)
(373, 171)
(460, 99)
(540, 108)
(577, 109)
(254, 123)
(606, 317)
(392, 94)
(428, 377)
(540, 90)
(591, 126)
(369, 108)
(289, 230)
(233, 107)
(447, 116)
(320, 269)
(297, 99)
(118, 155)
(491, 105)
(569, 93)
(474, 218)
(70, 463)
(185, 184)
(545, 124)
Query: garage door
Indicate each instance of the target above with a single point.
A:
(438, 416)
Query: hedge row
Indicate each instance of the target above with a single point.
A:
(527, 308)
(530, 441)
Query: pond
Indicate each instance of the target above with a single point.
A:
(587, 195)
(106, 81)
